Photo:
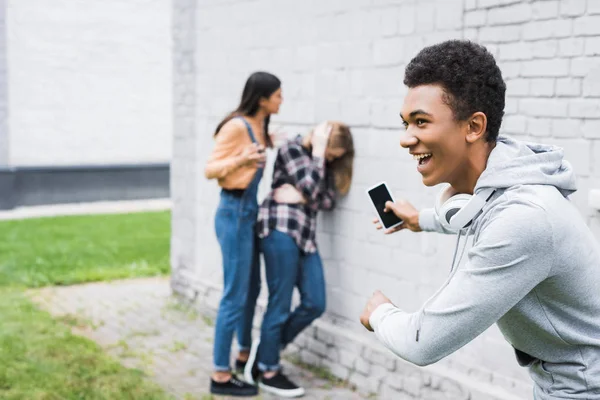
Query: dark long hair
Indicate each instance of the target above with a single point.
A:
(259, 84)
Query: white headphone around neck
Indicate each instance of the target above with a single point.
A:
(457, 211)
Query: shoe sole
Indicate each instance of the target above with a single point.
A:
(251, 360)
(282, 392)
(249, 393)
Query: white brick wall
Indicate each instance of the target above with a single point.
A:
(185, 216)
(89, 81)
(345, 59)
(4, 139)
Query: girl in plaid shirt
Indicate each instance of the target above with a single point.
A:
(308, 171)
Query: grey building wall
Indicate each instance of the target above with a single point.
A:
(85, 100)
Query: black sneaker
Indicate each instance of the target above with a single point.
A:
(281, 386)
(251, 371)
(239, 367)
(233, 387)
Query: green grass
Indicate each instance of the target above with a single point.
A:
(40, 359)
(69, 250)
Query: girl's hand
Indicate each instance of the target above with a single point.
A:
(278, 135)
(253, 155)
(320, 138)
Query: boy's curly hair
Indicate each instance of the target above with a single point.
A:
(469, 76)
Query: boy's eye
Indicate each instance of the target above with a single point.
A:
(405, 124)
(420, 122)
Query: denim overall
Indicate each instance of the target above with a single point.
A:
(235, 227)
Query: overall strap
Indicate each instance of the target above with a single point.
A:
(250, 132)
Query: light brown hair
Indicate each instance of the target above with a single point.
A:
(342, 168)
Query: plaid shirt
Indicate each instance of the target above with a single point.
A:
(295, 165)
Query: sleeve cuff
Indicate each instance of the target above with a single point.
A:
(319, 161)
(427, 219)
(379, 313)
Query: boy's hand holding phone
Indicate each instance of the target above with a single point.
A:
(392, 215)
(406, 212)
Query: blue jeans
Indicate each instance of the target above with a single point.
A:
(235, 227)
(287, 266)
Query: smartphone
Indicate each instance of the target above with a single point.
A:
(379, 195)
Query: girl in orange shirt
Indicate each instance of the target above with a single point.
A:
(237, 163)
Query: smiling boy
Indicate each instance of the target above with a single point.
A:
(534, 267)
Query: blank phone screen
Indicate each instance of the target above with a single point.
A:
(379, 196)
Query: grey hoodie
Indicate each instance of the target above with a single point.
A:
(534, 269)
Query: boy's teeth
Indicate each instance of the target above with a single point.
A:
(420, 156)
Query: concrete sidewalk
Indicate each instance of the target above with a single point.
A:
(142, 324)
(100, 207)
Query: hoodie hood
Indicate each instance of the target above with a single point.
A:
(514, 163)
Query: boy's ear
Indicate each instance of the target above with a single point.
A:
(476, 127)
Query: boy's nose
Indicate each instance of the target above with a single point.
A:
(408, 140)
